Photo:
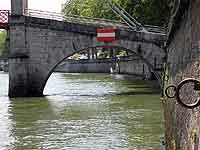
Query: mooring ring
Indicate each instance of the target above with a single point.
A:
(173, 87)
(186, 81)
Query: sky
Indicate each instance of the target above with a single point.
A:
(45, 5)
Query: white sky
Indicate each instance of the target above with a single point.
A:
(46, 5)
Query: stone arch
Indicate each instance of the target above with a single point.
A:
(146, 61)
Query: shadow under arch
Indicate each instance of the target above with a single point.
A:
(151, 67)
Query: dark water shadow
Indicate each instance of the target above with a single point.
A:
(137, 93)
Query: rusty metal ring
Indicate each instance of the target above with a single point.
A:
(167, 92)
(186, 81)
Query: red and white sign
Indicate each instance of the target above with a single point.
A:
(106, 34)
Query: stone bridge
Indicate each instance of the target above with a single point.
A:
(38, 44)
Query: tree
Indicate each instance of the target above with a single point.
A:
(88, 8)
(3, 50)
(153, 12)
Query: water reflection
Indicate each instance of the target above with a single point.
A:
(26, 116)
(83, 112)
(142, 120)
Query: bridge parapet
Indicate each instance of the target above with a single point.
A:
(74, 18)
(88, 29)
(89, 20)
(101, 22)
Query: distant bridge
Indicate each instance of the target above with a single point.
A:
(131, 65)
(39, 41)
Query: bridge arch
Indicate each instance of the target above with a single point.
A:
(47, 52)
(114, 47)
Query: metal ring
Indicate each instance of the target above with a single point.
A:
(167, 91)
(186, 81)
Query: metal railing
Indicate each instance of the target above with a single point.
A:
(73, 18)
(88, 20)
(124, 15)
(4, 17)
(155, 29)
(4, 20)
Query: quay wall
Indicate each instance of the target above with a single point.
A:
(183, 46)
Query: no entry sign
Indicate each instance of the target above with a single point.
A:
(106, 34)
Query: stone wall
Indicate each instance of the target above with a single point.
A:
(182, 124)
(85, 66)
(126, 65)
(134, 67)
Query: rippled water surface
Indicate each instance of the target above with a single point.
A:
(82, 112)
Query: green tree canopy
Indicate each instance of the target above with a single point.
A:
(88, 8)
(152, 12)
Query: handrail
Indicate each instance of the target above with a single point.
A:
(79, 19)
(117, 9)
(116, 12)
(59, 16)
(88, 20)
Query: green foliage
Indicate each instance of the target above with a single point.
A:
(153, 12)
(76, 56)
(3, 50)
(103, 53)
(88, 8)
(121, 53)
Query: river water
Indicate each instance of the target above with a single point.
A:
(82, 112)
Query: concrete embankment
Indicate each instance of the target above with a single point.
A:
(126, 65)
